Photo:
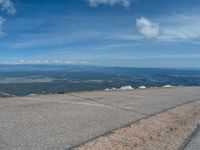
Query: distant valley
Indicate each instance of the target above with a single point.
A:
(23, 80)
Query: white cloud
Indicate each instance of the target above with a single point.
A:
(8, 6)
(41, 61)
(147, 28)
(21, 61)
(180, 27)
(2, 20)
(94, 3)
(184, 27)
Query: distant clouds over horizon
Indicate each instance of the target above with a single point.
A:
(110, 32)
(94, 3)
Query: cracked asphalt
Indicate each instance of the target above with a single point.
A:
(59, 122)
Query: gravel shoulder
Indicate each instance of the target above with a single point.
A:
(165, 131)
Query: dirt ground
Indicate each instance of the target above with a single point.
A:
(165, 131)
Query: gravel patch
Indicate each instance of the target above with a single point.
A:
(165, 131)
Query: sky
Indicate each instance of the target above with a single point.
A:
(133, 33)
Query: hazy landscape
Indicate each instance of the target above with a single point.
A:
(22, 80)
(99, 75)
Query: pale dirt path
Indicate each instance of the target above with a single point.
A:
(165, 131)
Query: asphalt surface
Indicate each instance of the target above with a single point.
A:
(194, 143)
(59, 122)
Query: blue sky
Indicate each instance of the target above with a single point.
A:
(135, 33)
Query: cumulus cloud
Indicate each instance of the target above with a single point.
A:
(147, 28)
(2, 20)
(94, 3)
(7, 5)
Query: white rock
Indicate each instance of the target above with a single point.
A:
(168, 86)
(126, 88)
(31, 94)
(2, 94)
(142, 87)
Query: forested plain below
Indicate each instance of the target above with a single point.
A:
(20, 80)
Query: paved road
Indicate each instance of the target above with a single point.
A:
(61, 121)
(194, 143)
